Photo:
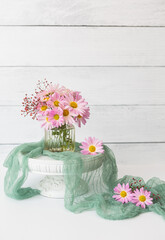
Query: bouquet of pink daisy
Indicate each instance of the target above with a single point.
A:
(58, 108)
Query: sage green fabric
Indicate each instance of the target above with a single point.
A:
(86, 188)
(16, 175)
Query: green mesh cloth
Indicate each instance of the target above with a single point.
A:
(88, 186)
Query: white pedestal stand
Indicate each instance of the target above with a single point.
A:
(52, 185)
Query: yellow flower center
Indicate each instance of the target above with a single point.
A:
(73, 104)
(43, 108)
(79, 116)
(92, 148)
(46, 99)
(56, 103)
(47, 119)
(56, 117)
(65, 112)
(142, 198)
(123, 194)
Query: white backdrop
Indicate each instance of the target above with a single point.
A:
(112, 50)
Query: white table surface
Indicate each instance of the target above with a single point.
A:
(44, 218)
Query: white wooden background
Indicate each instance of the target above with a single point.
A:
(112, 50)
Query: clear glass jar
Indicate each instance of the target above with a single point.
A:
(60, 139)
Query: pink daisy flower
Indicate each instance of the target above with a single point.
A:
(76, 94)
(44, 98)
(54, 88)
(68, 116)
(41, 94)
(91, 146)
(42, 107)
(44, 118)
(123, 193)
(51, 89)
(142, 197)
(74, 104)
(55, 100)
(56, 117)
(81, 118)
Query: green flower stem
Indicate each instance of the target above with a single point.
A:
(60, 139)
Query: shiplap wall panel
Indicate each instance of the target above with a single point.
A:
(133, 154)
(94, 47)
(83, 12)
(109, 123)
(99, 85)
(56, 46)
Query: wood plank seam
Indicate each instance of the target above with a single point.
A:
(86, 26)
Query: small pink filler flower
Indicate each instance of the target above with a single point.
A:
(142, 197)
(91, 146)
(123, 193)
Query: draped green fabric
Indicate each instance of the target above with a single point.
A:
(16, 175)
(87, 186)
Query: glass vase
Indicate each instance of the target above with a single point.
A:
(60, 139)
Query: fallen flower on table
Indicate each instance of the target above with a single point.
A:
(142, 197)
(92, 146)
(123, 193)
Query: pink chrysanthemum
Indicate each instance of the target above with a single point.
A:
(142, 197)
(56, 117)
(76, 94)
(44, 98)
(68, 116)
(54, 88)
(42, 107)
(50, 90)
(55, 101)
(44, 118)
(81, 118)
(123, 193)
(74, 104)
(91, 146)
